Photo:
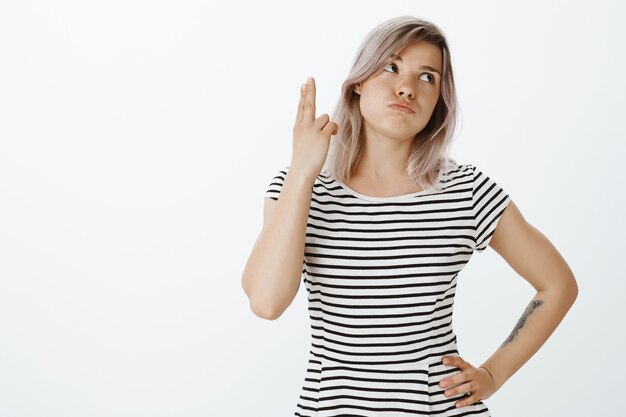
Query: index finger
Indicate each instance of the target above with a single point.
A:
(309, 109)
(301, 103)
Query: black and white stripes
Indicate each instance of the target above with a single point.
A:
(381, 274)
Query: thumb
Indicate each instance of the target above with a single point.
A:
(331, 128)
(335, 129)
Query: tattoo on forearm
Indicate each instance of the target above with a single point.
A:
(522, 321)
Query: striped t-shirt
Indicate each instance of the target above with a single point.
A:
(381, 274)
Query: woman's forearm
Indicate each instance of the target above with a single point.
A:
(538, 321)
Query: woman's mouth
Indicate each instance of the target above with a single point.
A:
(401, 108)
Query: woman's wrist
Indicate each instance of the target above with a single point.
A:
(491, 374)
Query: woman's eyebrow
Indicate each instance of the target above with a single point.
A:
(399, 58)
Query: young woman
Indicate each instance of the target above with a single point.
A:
(379, 223)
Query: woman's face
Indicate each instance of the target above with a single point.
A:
(404, 79)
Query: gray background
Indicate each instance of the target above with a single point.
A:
(137, 139)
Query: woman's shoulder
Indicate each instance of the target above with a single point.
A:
(454, 165)
(451, 165)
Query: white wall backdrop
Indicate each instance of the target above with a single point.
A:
(137, 139)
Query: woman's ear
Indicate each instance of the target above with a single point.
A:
(357, 88)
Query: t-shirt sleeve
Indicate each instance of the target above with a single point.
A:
(488, 201)
(276, 184)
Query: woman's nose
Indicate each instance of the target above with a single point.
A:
(406, 92)
(406, 89)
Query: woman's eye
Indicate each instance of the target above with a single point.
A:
(390, 65)
(432, 77)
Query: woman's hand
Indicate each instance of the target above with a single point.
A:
(311, 136)
(477, 381)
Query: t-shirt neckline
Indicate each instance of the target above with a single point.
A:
(382, 199)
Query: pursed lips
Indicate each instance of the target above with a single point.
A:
(402, 107)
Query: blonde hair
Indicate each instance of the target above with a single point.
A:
(429, 153)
